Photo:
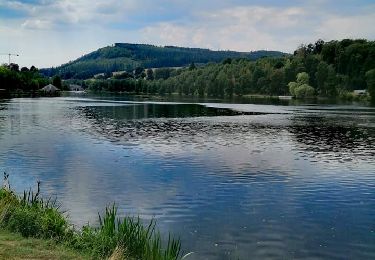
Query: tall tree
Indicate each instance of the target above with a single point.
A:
(370, 80)
(149, 74)
(321, 77)
(56, 81)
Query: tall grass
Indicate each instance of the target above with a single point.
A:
(121, 238)
(128, 234)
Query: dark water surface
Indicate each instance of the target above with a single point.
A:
(232, 180)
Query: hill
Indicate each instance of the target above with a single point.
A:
(127, 57)
(326, 69)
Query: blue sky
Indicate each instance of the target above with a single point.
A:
(48, 33)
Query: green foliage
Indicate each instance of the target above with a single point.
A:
(125, 56)
(304, 91)
(149, 74)
(192, 66)
(292, 88)
(321, 76)
(370, 78)
(301, 88)
(27, 80)
(163, 73)
(15, 246)
(31, 216)
(56, 81)
(331, 69)
(302, 78)
(129, 234)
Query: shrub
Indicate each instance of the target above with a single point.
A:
(304, 91)
(292, 88)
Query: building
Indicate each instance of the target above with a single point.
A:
(74, 87)
(360, 92)
(50, 89)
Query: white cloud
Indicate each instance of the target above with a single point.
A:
(240, 28)
(247, 28)
(37, 24)
(339, 27)
(76, 13)
(75, 27)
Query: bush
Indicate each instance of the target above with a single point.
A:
(301, 88)
(304, 91)
(292, 88)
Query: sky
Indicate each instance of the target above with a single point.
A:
(48, 33)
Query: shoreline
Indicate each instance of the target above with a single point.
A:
(30, 216)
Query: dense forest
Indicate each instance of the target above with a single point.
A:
(326, 69)
(127, 57)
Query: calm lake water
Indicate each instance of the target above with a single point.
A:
(232, 180)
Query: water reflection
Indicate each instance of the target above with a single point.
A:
(270, 182)
(146, 110)
(327, 139)
(340, 139)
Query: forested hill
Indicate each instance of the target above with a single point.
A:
(325, 69)
(127, 57)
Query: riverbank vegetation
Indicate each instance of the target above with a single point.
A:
(16, 81)
(334, 69)
(15, 246)
(127, 238)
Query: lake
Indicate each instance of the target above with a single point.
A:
(233, 181)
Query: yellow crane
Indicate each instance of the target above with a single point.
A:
(9, 54)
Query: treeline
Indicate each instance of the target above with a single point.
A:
(127, 57)
(16, 80)
(12, 78)
(329, 69)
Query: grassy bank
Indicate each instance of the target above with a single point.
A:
(114, 238)
(14, 246)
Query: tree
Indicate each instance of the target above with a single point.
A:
(150, 74)
(304, 91)
(139, 72)
(331, 82)
(227, 61)
(277, 85)
(318, 46)
(302, 78)
(192, 66)
(301, 88)
(321, 77)
(370, 80)
(222, 83)
(56, 81)
(14, 67)
(292, 88)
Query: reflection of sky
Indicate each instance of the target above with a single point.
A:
(252, 193)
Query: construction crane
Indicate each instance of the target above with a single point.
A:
(9, 54)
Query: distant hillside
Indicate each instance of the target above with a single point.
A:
(126, 56)
(325, 69)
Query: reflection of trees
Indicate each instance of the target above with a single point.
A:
(164, 123)
(327, 137)
(142, 111)
(317, 136)
(2, 116)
